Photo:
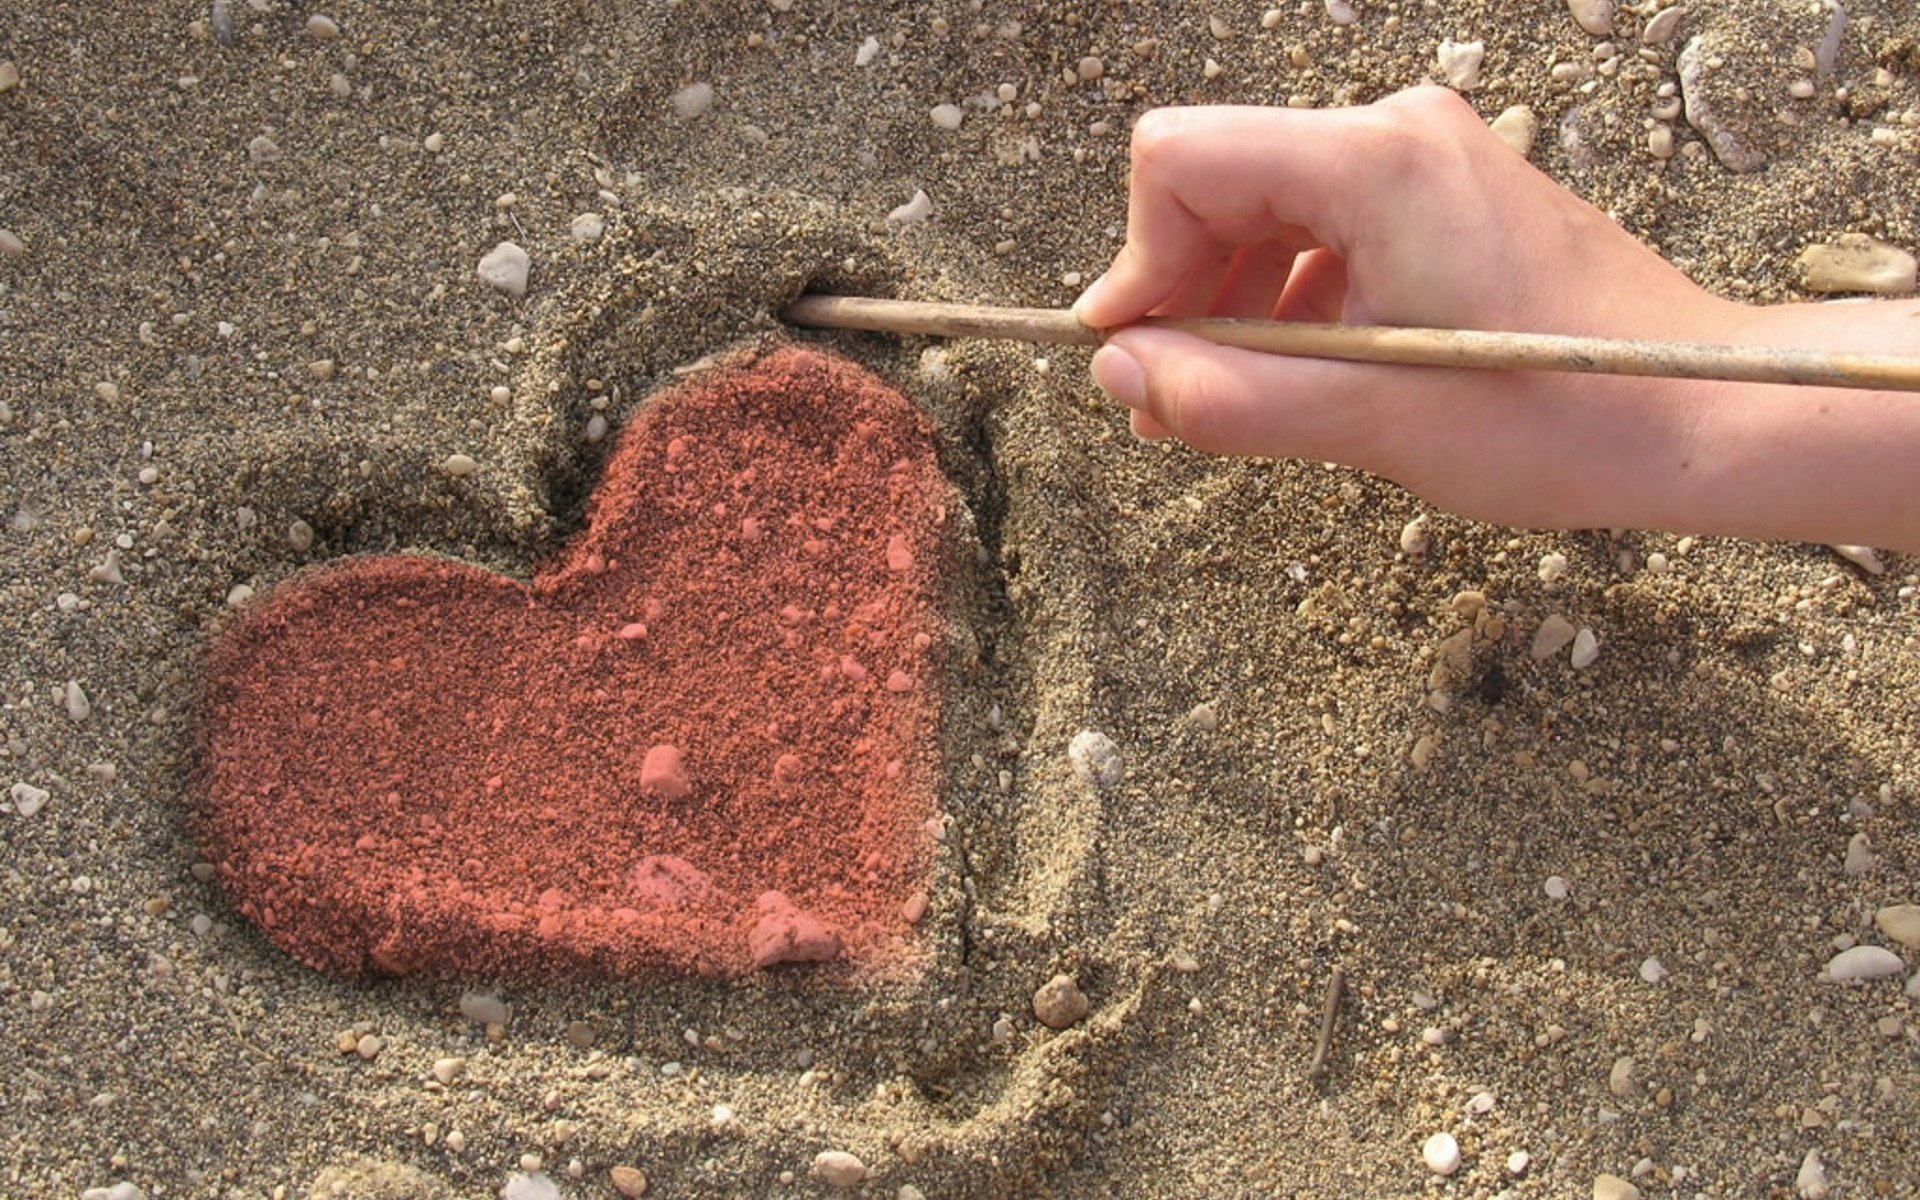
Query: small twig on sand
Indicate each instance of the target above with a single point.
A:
(1329, 1013)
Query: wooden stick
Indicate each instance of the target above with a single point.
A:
(1385, 344)
(1329, 1015)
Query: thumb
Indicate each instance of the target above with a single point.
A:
(1228, 401)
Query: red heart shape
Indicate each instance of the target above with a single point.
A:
(703, 739)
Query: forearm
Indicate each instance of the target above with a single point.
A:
(1806, 464)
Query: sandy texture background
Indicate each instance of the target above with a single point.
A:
(1251, 636)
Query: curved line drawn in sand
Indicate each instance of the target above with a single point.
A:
(703, 740)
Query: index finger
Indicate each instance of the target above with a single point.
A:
(1235, 176)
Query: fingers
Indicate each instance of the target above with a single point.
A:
(1227, 401)
(1208, 178)
(1316, 290)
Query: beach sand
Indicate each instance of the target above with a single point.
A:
(1583, 915)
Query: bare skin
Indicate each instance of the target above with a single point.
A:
(1411, 212)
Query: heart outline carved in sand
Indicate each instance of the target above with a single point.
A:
(703, 740)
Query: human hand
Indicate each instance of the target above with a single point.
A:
(1406, 212)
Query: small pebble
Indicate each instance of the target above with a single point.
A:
(947, 116)
(1095, 759)
(1553, 567)
(300, 536)
(913, 211)
(1555, 634)
(1659, 29)
(1811, 1180)
(1612, 1187)
(1620, 1080)
(1901, 922)
(529, 1185)
(79, 708)
(1854, 262)
(693, 100)
(1441, 1153)
(587, 227)
(119, 1191)
(483, 1008)
(1863, 557)
(458, 466)
(505, 267)
(1060, 1003)
(1864, 962)
(1204, 717)
(1594, 16)
(1653, 970)
(446, 1070)
(10, 244)
(629, 1181)
(1340, 12)
(262, 150)
(1586, 649)
(1555, 888)
(434, 143)
(1517, 127)
(837, 1168)
(28, 799)
(9, 76)
(1518, 1162)
(1460, 63)
(1860, 858)
(1413, 536)
(868, 51)
(323, 27)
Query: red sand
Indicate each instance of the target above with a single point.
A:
(656, 757)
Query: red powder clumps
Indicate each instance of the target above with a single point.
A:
(651, 759)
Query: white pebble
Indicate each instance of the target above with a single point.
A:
(459, 466)
(1660, 27)
(1854, 262)
(1811, 1180)
(596, 428)
(1864, 962)
(1612, 1187)
(1518, 1162)
(868, 51)
(262, 150)
(1555, 888)
(119, 1191)
(28, 799)
(1338, 11)
(1594, 16)
(10, 244)
(323, 27)
(587, 227)
(483, 1008)
(1059, 1002)
(1555, 634)
(1860, 858)
(1460, 63)
(1553, 567)
(1441, 1153)
(505, 267)
(434, 143)
(1481, 1103)
(1517, 127)
(1095, 759)
(693, 100)
(238, 594)
(1901, 922)
(300, 536)
(529, 1185)
(837, 1168)
(913, 211)
(9, 76)
(1862, 557)
(947, 116)
(1413, 536)
(1653, 970)
(79, 708)
(1586, 649)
